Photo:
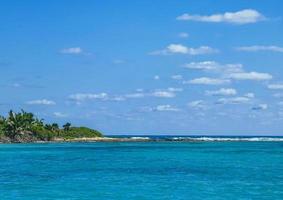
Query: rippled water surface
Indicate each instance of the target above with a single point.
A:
(150, 170)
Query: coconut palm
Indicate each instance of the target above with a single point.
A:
(67, 126)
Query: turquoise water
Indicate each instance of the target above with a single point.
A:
(153, 170)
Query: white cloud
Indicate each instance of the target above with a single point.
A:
(183, 35)
(207, 81)
(275, 86)
(135, 95)
(212, 66)
(165, 108)
(228, 71)
(171, 89)
(117, 98)
(181, 49)
(260, 107)
(159, 108)
(198, 104)
(177, 48)
(41, 102)
(250, 95)
(222, 92)
(160, 93)
(233, 100)
(205, 65)
(163, 94)
(256, 48)
(177, 77)
(72, 50)
(79, 97)
(245, 16)
(256, 76)
(60, 115)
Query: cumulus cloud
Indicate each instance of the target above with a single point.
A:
(245, 16)
(205, 65)
(256, 76)
(117, 98)
(171, 89)
(250, 95)
(163, 94)
(207, 81)
(256, 48)
(79, 97)
(60, 115)
(181, 49)
(166, 108)
(233, 100)
(177, 77)
(222, 92)
(275, 86)
(159, 93)
(135, 95)
(260, 107)
(215, 67)
(45, 102)
(228, 71)
(159, 108)
(72, 50)
(198, 104)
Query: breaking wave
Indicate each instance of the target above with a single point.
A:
(229, 139)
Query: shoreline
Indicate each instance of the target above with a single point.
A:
(103, 139)
(153, 139)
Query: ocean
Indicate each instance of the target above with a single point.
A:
(203, 169)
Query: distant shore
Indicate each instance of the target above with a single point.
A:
(154, 139)
(104, 139)
(173, 139)
(84, 139)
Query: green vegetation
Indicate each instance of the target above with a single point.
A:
(25, 127)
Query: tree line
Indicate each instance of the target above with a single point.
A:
(25, 126)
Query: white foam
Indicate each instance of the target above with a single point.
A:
(232, 139)
(140, 138)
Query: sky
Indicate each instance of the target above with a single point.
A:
(146, 67)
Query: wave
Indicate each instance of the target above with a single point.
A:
(140, 138)
(229, 139)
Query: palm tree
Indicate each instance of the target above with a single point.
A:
(19, 123)
(55, 127)
(67, 126)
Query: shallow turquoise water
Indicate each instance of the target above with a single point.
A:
(165, 170)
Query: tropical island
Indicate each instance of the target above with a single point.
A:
(25, 127)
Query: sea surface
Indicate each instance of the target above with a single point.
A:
(201, 170)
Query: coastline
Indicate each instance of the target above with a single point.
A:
(192, 139)
(174, 139)
(82, 139)
(103, 139)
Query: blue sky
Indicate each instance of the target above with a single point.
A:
(146, 67)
